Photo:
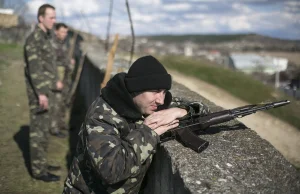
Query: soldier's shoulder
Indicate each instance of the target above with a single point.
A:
(29, 38)
(100, 109)
(34, 37)
(100, 106)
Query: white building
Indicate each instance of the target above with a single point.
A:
(188, 51)
(249, 63)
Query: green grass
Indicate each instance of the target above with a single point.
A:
(238, 84)
(14, 176)
(7, 47)
(9, 52)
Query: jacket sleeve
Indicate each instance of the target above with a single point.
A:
(117, 158)
(193, 108)
(35, 66)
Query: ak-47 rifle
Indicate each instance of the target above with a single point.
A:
(185, 132)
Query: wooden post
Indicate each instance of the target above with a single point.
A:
(110, 62)
(73, 44)
(77, 77)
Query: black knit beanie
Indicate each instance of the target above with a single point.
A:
(147, 73)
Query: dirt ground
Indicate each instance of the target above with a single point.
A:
(284, 137)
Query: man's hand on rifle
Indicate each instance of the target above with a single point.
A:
(162, 121)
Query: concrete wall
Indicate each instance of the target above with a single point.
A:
(236, 161)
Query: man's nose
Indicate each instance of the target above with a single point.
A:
(160, 98)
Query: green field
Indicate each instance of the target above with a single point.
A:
(238, 84)
(14, 129)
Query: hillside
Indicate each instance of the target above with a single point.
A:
(229, 41)
(209, 38)
(217, 38)
(237, 84)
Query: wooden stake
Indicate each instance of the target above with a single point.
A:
(76, 81)
(73, 44)
(110, 62)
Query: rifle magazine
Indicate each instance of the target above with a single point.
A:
(191, 140)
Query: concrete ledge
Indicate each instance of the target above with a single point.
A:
(236, 161)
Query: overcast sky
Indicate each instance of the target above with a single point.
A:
(276, 18)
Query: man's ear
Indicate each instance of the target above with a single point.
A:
(41, 18)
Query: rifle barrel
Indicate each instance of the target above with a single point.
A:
(237, 112)
(281, 103)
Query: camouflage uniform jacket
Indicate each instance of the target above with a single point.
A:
(61, 52)
(62, 62)
(115, 149)
(40, 67)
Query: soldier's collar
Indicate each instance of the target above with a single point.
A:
(46, 34)
(58, 40)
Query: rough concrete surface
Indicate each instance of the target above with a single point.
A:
(283, 136)
(236, 161)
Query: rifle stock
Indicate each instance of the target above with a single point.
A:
(185, 132)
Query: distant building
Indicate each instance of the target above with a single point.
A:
(8, 18)
(188, 50)
(213, 55)
(250, 63)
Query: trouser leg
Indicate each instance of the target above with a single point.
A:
(39, 130)
(60, 111)
(53, 113)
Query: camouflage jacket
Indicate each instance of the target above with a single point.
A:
(62, 61)
(40, 67)
(61, 51)
(115, 147)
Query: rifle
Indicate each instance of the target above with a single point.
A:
(185, 132)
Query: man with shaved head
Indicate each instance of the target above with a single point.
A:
(41, 82)
(122, 129)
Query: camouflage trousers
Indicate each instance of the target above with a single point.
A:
(38, 134)
(58, 113)
(67, 84)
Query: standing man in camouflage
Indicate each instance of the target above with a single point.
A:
(41, 80)
(121, 131)
(63, 64)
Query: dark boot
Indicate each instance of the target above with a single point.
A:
(59, 134)
(53, 168)
(48, 177)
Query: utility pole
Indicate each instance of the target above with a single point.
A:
(132, 32)
(1, 3)
(277, 71)
(108, 25)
